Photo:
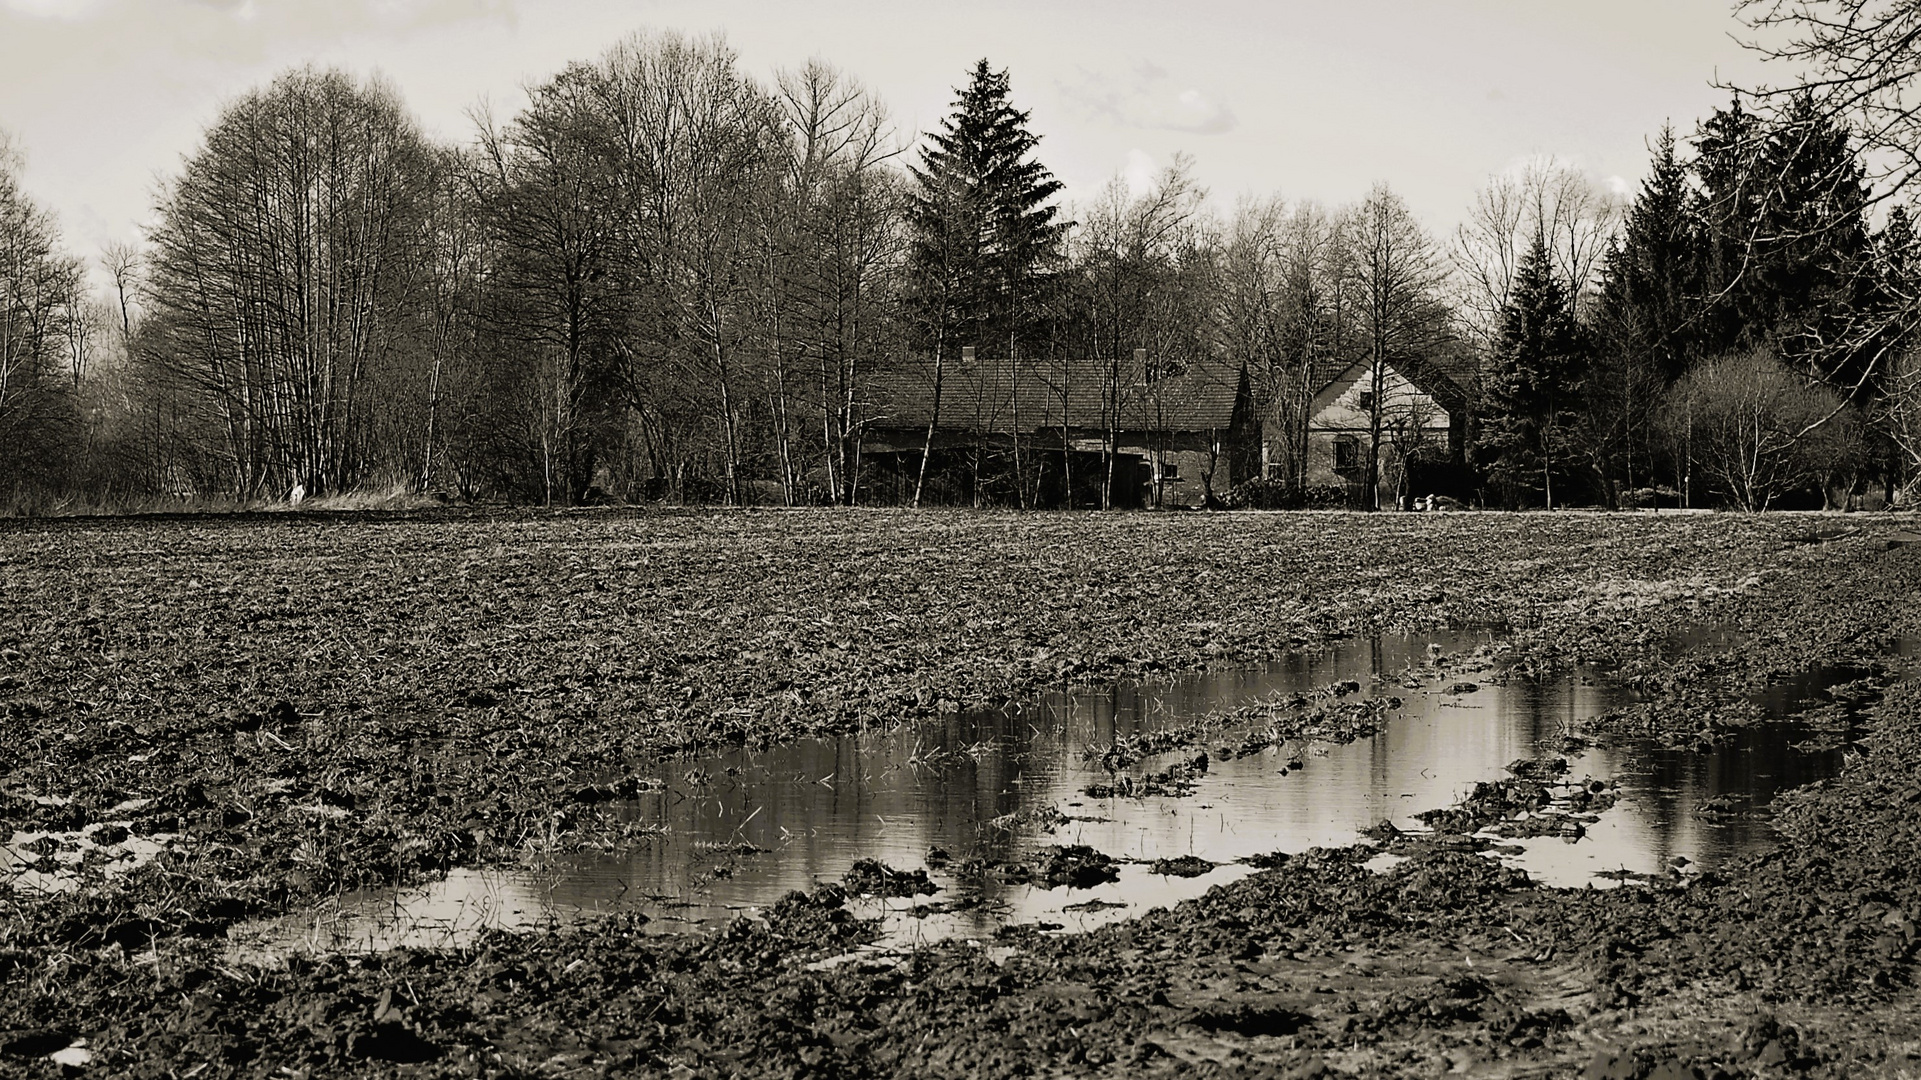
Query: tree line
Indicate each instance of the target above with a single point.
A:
(663, 278)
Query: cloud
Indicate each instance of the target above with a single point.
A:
(323, 16)
(1147, 98)
(64, 10)
(419, 13)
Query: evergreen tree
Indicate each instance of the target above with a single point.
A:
(1645, 325)
(1648, 283)
(984, 229)
(1728, 225)
(1529, 411)
(1900, 251)
(1786, 258)
(983, 234)
(1896, 411)
(1817, 256)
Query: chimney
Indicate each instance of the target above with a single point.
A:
(1140, 358)
(967, 356)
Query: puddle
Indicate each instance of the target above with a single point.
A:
(1684, 810)
(1678, 808)
(53, 862)
(736, 831)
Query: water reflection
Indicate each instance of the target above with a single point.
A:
(738, 830)
(1681, 808)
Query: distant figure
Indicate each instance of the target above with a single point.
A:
(297, 495)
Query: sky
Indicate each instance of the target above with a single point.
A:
(1308, 99)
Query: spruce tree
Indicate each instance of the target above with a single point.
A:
(1529, 411)
(1727, 211)
(1786, 257)
(1900, 249)
(1645, 327)
(985, 231)
(983, 235)
(1648, 286)
(1816, 259)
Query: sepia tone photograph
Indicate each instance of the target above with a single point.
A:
(1067, 538)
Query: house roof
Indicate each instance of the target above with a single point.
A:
(999, 397)
(1437, 378)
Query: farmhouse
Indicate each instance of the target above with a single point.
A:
(1180, 436)
(1423, 420)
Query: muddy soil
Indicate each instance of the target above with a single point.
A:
(318, 704)
(286, 708)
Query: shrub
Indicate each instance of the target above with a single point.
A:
(1274, 495)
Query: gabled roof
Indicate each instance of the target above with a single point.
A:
(999, 397)
(1431, 377)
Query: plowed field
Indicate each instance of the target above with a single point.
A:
(216, 720)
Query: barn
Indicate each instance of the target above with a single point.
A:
(1035, 432)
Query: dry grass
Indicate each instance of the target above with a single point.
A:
(39, 505)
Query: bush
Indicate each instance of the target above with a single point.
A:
(1757, 431)
(1659, 497)
(1274, 495)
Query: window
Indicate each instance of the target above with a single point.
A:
(1367, 401)
(1170, 470)
(1347, 453)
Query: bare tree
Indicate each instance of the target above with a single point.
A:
(1254, 280)
(1397, 276)
(833, 240)
(546, 193)
(1897, 412)
(1286, 310)
(1318, 317)
(461, 257)
(697, 152)
(1145, 265)
(283, 267)
(42, 325)
(1408, 419)
(1576, 216)
(123, 263)
(1753, 427)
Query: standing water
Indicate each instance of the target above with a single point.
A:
(735, 831)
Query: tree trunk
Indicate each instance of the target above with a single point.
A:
(933, 420)
(1374, 433)
(1014, 390)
